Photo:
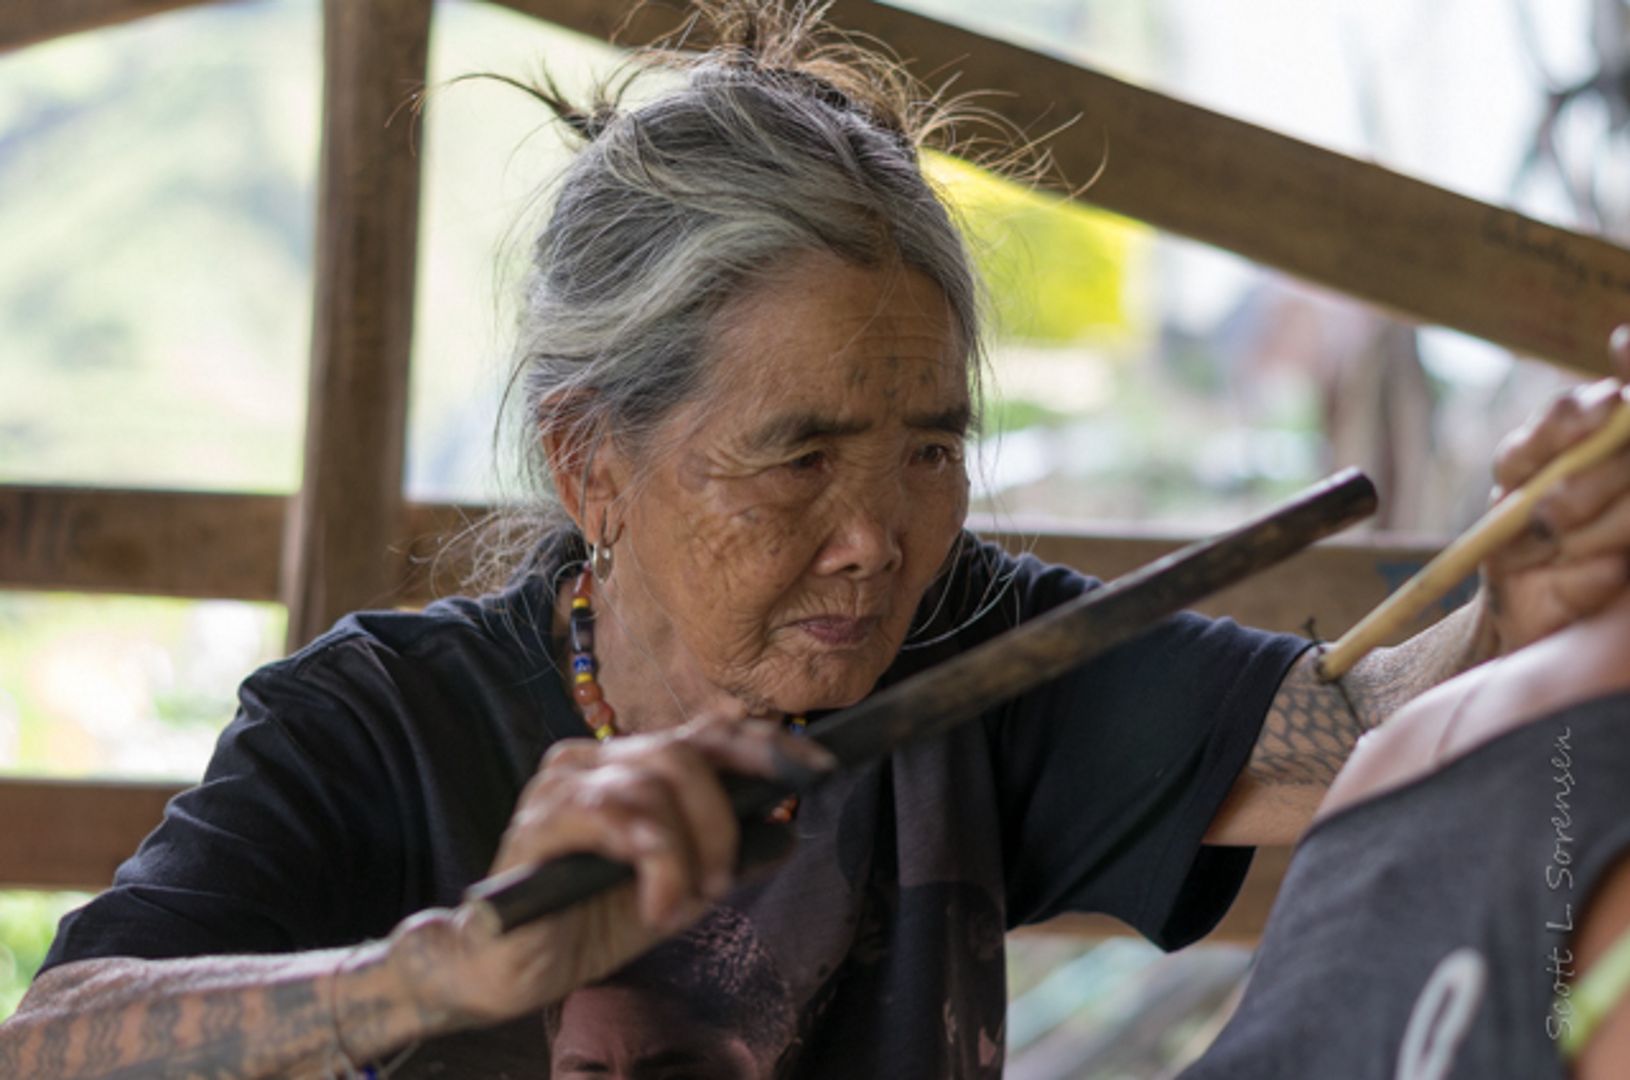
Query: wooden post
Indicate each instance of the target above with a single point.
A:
(348, 510)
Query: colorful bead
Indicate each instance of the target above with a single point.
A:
(598, 715)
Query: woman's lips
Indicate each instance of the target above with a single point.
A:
(838, 630)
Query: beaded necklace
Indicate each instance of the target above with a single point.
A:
(598, 714)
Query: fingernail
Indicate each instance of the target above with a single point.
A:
(1598, 392)
(1619, 340)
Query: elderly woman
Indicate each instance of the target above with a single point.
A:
(750, 356)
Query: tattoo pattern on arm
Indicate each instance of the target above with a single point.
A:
(1309, 731)
(158, 1029)
(222, 1017)
(52, 1058)
(102, 1040)
(1312, 726)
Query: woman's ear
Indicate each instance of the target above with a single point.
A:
(587, 469)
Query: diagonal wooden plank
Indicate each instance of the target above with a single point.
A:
(347, 513)
(1414, 249)
(28, 22)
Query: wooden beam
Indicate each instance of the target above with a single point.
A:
(29, 22)
(155, 543)
(349, 506)
(63, 834)
(207, 545)
(1414, 249)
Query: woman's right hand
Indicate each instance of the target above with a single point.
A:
(652, 801)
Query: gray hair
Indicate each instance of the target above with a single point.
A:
(773, 145)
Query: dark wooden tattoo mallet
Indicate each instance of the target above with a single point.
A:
(934, 701)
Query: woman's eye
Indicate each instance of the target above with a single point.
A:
(808, 462)
(938, 454)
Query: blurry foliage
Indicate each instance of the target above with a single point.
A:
(121, 685)
(28, 922)
(156, 203)
(1056, 269)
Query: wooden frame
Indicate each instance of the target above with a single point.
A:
(1399, 243)
(348, 539)
(29, 22)
(63, 834)
(197, 545)
(176, 544)
(375, 52)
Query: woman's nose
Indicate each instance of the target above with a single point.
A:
(865, 537)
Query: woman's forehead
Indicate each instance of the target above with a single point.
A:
(824, 328)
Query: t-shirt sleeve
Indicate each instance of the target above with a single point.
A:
(1110, 776)
(267, 853)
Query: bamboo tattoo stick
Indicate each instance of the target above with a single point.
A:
(934, 701)
(1503, 523)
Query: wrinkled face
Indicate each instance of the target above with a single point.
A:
(782, 542)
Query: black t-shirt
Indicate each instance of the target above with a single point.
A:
(1422, 934)
(371, 774)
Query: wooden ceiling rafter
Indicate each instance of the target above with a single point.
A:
(1421, 252)
(30, 22)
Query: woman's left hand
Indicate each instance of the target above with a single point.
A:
(1575, 557)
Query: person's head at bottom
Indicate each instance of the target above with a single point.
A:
(709, 1004)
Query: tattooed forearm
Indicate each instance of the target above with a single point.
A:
(222, 1017)
(52, 1057)
(1308, 733)
(1313, 726)
(158, 1029)
(102, 1041)
(213, 1017)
